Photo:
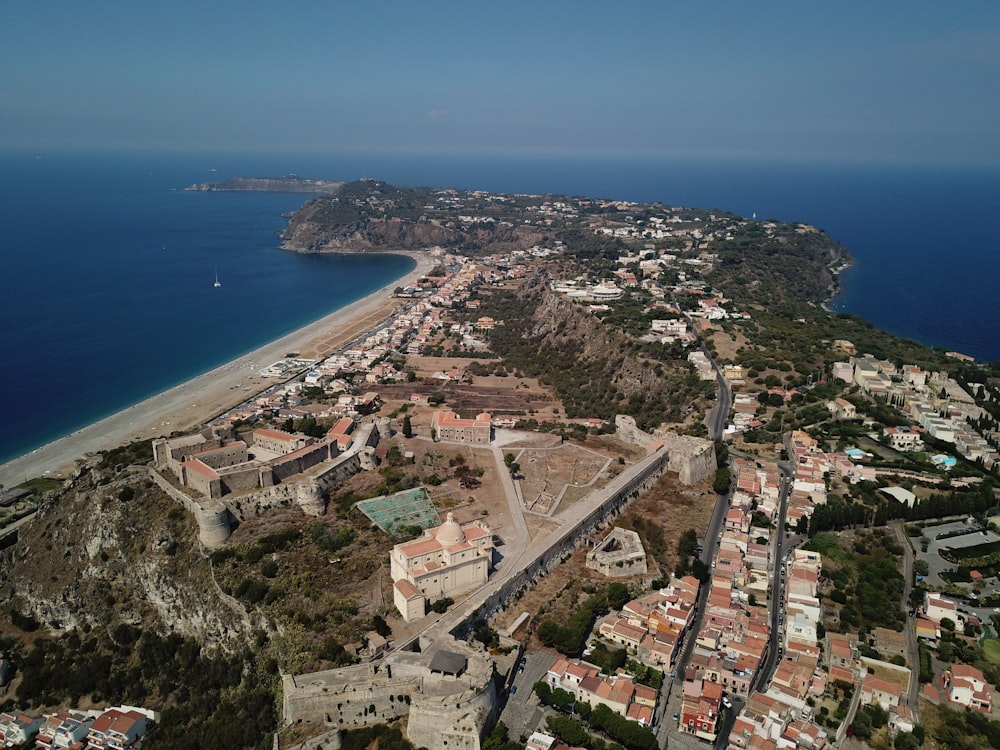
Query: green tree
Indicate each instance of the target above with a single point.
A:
(407, 427)
(721, 483)
(568, 730)
(862, 725)
(618, 595)
(543, 691)
(561, 699)
(441, 605)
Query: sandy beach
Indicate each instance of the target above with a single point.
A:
(198, 400)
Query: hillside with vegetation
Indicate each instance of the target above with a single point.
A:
(369, 215)
(110, 577)
(596, 369)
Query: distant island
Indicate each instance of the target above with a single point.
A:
(291, 183)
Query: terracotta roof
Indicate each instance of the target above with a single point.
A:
(276, 434)
(407, 589)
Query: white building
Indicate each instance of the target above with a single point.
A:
(447, 560)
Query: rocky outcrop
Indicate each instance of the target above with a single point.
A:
(106, 553)
(308, 232)
(288, 184)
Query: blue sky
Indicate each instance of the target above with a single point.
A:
(885, 81)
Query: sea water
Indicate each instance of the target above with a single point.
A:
(108, 289)
(107, 292)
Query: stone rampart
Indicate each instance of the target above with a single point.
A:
(243, 478)
(692, 458)
(445, 711)
(213, 517)
(620, 492)
(628, 431)
(300, 462)
(447, 723)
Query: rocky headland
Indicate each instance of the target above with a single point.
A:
(287, 184)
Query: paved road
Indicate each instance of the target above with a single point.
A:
(514, 507)
(522, 712)
(718, 416)
(912, 650)
(777, 596)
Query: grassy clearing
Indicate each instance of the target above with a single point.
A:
(991, 649)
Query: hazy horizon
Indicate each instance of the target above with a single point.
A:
(895, 83)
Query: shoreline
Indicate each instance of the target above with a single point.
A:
(195, 401)
(836, 287)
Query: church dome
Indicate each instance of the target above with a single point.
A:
(450, 532)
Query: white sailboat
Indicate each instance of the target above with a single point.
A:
(217, 283)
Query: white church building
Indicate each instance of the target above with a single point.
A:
(447, 560)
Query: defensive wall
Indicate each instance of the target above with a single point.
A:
(263, 487)
(692, 458)
(620, 491)
(212, 516)
(445, 711)
(368, 694)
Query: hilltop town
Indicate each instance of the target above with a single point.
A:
(610, 474)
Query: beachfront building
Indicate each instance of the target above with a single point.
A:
(447, 425)
(447, 560)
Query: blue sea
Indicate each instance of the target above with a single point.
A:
(107, 290)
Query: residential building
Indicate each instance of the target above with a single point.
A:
(618, 692)
(16, 727)
(883, 692)
(966, 686)
(65, 730)
(116, 730)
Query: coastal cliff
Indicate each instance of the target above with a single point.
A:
(372, 216)
(128, 555)
(288, 184)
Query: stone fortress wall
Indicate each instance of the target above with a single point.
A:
(452, 714)
(445, 710)
(692, 458)
(303, 478)
(619, 493)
